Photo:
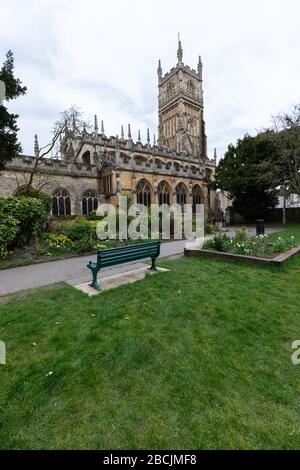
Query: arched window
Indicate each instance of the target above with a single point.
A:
(197, 196)
(106, 181)
(143, 192)
(86, 158)
(181, 194)
(170, 90)
(190, 88)
(163, 192)
(89, 202)
(61, 202)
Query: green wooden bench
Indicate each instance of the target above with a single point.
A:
(125, 254)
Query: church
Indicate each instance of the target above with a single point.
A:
(94, 168)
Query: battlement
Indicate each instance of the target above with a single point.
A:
(102, 143)
(174, 70)
(52, 166)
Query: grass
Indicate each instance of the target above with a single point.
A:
(198, 357)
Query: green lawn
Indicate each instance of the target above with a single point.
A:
(198, 357)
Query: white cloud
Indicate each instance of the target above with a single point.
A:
(102, 56)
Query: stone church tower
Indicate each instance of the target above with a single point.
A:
(180, 108)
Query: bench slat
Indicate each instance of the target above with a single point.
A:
(123, 259)
(130, 247)
(103, 254)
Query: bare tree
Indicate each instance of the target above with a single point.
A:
(69, 121)
(286, 131)
(283, 167)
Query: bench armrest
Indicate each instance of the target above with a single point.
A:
(92, 265)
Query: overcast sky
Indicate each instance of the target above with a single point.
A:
(102, 56)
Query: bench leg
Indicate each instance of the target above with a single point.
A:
(153, 265)
(94, 283)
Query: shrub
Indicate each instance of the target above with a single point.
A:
(93, 215)
(218, 243)
(81, 229)
(21, 219)
(37, 194)
(86, 244)
(211, 228)
(82, 233)
(8, 233)
(221, 242)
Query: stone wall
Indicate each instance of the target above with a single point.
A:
(13, 178)
(292, 215)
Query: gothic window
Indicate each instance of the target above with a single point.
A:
(190, 88)
(143, 192)
(89, 202)
(173, 126)
(181, 194)
(106, 182)
(86, 158)
(163, 192)
(197, 196)
(170, 90)
(61, 203)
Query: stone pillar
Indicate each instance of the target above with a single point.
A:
(190, 194)
(133, 189)
(118, 156)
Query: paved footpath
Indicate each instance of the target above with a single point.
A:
(72, 270)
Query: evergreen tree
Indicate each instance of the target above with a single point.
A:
(9, 145)
(240, 174)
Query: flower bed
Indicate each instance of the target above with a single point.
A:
(259, 250)
(242, 244)
(65, 241)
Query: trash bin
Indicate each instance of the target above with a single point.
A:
(260, 227)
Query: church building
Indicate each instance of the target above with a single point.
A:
(93, 168)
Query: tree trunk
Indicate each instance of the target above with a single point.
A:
(284, 206)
